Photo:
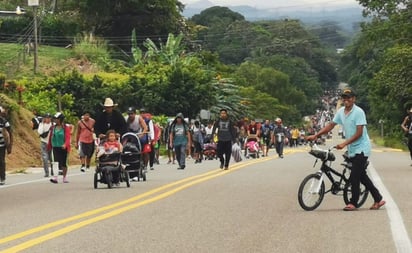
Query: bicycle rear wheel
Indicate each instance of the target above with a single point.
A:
(311, 192)
(363, 194)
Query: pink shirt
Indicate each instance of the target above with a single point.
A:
(85, 135)
(111, 146)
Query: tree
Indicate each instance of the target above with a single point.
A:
(390, 91)
(117, 18)
(377, 64)
(216, 15)
(384, 8)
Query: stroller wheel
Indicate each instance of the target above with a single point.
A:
(109, 179)
(144, 177)
(126, 178)
(95, 180)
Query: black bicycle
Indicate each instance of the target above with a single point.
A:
(312, 189)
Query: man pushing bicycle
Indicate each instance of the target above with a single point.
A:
(353, 120)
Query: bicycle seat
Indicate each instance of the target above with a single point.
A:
(323, 155)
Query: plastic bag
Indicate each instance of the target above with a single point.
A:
(147, 148)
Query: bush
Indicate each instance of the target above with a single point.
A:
(91, 48)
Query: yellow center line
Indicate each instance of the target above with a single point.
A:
(76, 226)
(195, 180)
(99, 210)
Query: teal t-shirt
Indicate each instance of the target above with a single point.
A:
(180, 136)
(356, 117)
(58, 137)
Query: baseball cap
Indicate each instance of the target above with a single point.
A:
(131, 110)
(59, 115)
(348, 92)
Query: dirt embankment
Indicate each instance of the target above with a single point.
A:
(26, 145)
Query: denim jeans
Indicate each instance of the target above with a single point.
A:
(45, 156)
(180, 151)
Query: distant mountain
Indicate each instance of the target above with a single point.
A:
(345, 16)
(196, 7)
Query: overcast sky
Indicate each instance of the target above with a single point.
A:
(280, 3)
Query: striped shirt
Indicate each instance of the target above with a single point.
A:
(3, 124)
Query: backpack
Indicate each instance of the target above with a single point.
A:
(35, 121)
(197, 135)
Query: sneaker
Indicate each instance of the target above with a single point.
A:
(87, 168)
(53, 180)
(281, 156)
(182, 167)
(2, 182)
(151, 168)
(65, 181)
(135, 179)
(83, 169)
(377, 205)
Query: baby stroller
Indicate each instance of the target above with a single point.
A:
(110, 171)
(209, 151)
(132, 156)
(252, 147)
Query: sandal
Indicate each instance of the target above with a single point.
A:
(377, 205)
(349, 207)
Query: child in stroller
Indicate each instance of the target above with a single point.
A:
(252, 146)
(132, 157)
(109, 169)
(209, 151)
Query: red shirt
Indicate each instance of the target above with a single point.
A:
(83, 133)
(111, 146)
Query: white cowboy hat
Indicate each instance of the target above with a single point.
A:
(108, 102)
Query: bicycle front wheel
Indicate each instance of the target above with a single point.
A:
(311, 192)
(347, 194)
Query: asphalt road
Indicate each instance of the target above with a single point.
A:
(252, 207)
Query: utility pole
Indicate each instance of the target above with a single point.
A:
(35, 4)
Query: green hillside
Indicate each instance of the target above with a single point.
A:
(15, 62)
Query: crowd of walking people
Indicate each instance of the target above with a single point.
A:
(182, 138)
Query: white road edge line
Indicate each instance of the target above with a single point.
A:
(46, 179)
(399, 232)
